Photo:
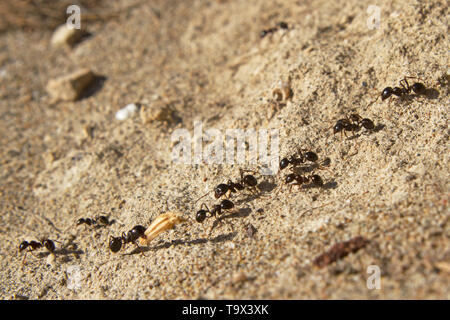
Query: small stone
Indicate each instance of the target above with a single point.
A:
(156, 112)
(50, 260)
(126, 112)
(70, 87)
(250, 230)
(88, 131)
(65, 36)
(239, 277)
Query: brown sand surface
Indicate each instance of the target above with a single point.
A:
(206, 61)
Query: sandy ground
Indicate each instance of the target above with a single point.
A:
(207, 62)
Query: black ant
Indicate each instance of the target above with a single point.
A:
(34, 245)
(297, 179)
(352, 123)
(282, 25)
(220, 190)
(115, 243)
(216, 210)
(297, 160)
(99, 220)
(418, 88)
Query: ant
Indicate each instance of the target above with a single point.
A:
(295, 161)
(352, 123)
(115, 243)
(216, 210)
(297, 179)
(103, 220)
(34, 245)
(282, 25)
(248, 181)
(418, 88)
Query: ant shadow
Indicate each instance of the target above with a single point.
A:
(326, 186)
(84, 36)
(166, 245)
(64, 252)
(431, 94)
(377, 128)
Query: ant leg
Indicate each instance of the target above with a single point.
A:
(404, 83)
(140, 248)
(377, 97)
(411, 77)
(204, 205)
(216, 222)
(24, 257)
(293, 184)
(202, 197)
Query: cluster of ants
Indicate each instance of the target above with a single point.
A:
(353, 123)
(249, 182)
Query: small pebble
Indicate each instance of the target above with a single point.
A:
(126, 112)
(65, 36)
(71, 86)
(239, 277)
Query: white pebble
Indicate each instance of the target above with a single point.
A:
(126, 112)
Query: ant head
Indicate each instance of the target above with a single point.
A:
(339, 126)
(200, 216)
(284, 163)
(387, 92)
(220, 190)
(115, 243)
(23, 246)
(289, 178)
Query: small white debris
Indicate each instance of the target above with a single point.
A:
(65, 36)
(126, 112)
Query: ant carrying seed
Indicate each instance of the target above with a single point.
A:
(246, 181)
(99, 220)
(115, 243)
(216, 210)
(354, 122)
